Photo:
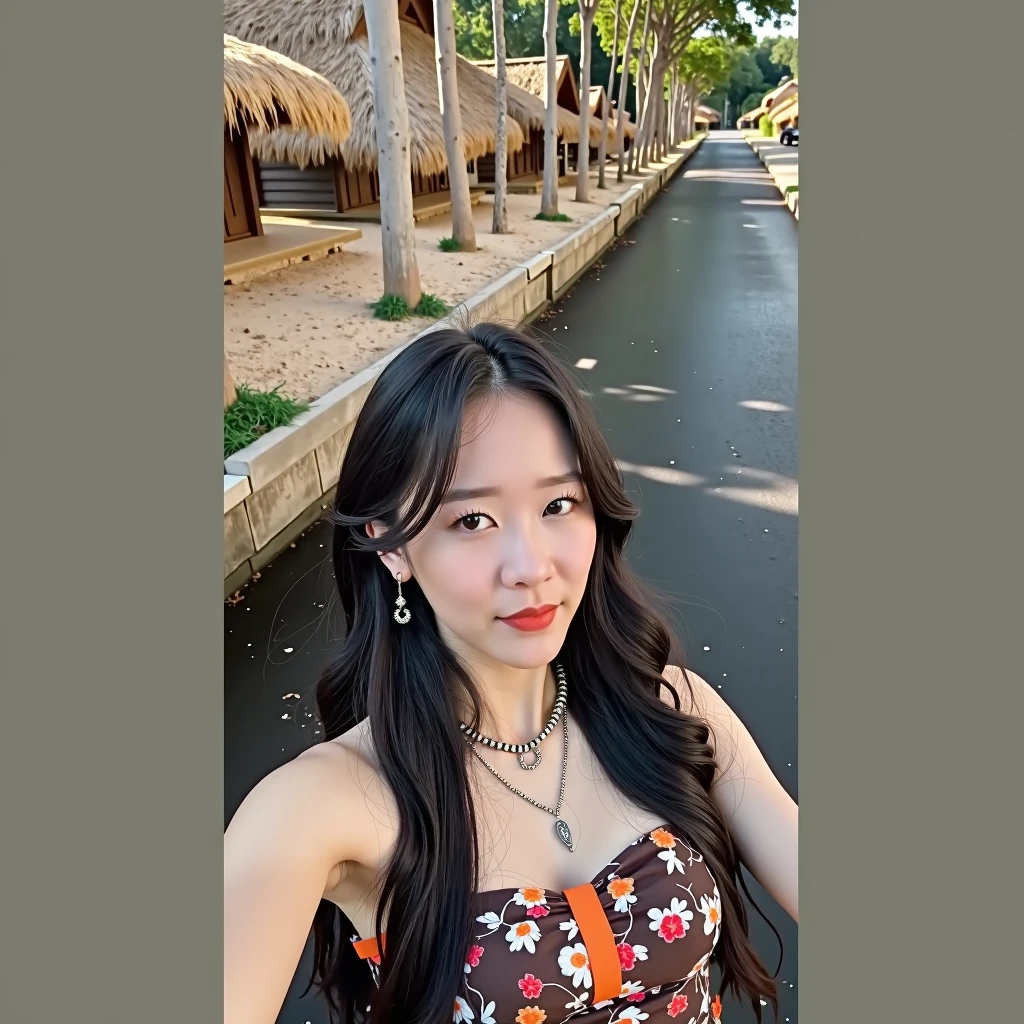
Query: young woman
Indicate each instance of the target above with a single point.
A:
(521, 813)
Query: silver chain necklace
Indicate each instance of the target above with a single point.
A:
(561, 828)
(523, 748)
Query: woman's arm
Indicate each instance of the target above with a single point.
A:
(762, 815)
(279, 849)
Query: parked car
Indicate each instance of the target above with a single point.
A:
(790, 136)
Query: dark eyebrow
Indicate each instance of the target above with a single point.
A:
(468, 493)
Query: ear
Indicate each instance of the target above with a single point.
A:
(394, 561)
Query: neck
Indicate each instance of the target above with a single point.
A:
(516, 702)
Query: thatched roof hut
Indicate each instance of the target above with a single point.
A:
(329, 36)
(782, 113)
(706, 115)
(266, 90)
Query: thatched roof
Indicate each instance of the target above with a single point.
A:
(525, 96)
(264, 89)
(783, 111)
(530, 73)
(329, 37)
(707, 115)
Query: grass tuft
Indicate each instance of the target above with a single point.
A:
(391, 307)
(431, 306)
(447, 244)
(559, 217)
(255, 412)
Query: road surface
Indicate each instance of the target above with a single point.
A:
(689, 330)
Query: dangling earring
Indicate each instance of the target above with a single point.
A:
(402, 614)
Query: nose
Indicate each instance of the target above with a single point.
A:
(526, 559)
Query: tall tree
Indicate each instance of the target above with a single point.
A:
(463, 230)
(786, 52)
(620, 133)
(499, 223)
(602, 145)
(634, 156)
(394, 167)
(549, 195)
(588, 8)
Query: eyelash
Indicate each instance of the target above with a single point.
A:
(574, 499)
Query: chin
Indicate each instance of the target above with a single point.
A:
(529, 651)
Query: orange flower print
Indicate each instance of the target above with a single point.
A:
(678, 1005)
(621, 889)
(663, 838)
(524, 934)
(530, 896)
(531, 1015)
(716, 1009)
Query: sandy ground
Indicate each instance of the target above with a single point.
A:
(308, 327)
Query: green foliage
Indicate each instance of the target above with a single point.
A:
(448, 244)
(786, 53)
(391, 307)
(765, 124)
(255, 412)
(752, 102)
(561, 218)
(431, 306)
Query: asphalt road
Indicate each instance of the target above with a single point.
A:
(690, 323)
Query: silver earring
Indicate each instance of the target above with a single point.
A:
(402, 614)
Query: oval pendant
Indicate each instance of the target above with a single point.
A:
(563, 833)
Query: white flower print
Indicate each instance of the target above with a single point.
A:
(640, 952)
(462, 1011)
(712, 911)
(630, 988)
(571, 927)
(622, 890)
(579, 1002)
(671, 923)
(524, 934)
(575, 963)
(632, 1014)
(490, 919)
(530, 896)
(672, 862)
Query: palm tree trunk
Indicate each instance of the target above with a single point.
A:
(549, 196)
(587, 12)
(627, 56)
(230, 391)
(641, 91)
(499, 223)
(602, 145)
(463, 230)
(391, 115)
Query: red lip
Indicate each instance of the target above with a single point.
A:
(531, 619)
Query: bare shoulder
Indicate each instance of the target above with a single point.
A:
(696, 695)
(319, 801)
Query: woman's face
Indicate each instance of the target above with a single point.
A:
(517, 531)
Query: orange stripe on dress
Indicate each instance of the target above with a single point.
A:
(367, 948)
(596, 932)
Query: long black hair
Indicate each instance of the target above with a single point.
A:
(400, 461)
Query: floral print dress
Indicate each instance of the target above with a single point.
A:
(530, 964)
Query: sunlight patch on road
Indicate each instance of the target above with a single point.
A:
(758, 405)
(586, 364)
(662, 474)
(770, 491)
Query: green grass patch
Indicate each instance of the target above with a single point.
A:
(766, 127)
(447, 244)
(431, 306)
(255, 412)
(561, 218)
(391, 307)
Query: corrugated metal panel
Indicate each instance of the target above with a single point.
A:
(285, 186)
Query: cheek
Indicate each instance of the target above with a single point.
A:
(576, 553)
(455, 575)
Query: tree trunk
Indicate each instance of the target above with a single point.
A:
(549, 196)
(602, 145)
(230, 391)
(627, 56)
(463, 230)
(587, 12)
(641, 91)
(499, 223)
(391, 114)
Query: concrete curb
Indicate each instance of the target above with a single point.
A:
(277, 486)
(783, 174)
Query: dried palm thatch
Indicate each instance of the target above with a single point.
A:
(530, 73)
(264, 89)
(329, 37)
(707, 115)
(783, 111)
